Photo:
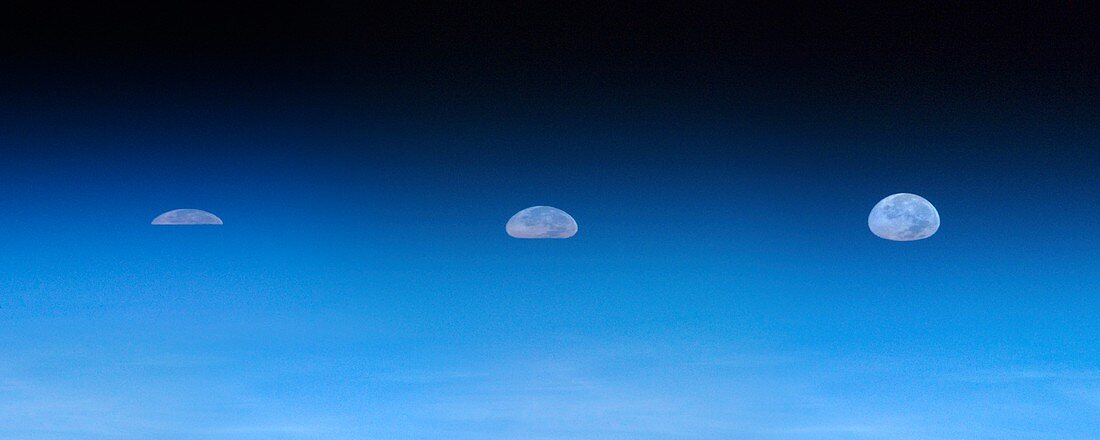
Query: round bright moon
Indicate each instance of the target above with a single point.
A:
(904, 217)
(541, 222)
(187, 217)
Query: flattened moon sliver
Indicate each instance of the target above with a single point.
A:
(904, 217)
(178, 217)
(541, 222)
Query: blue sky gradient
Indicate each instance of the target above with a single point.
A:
(723, 283)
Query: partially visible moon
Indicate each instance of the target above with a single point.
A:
(904, 217)
(187, 217)
(541, 222)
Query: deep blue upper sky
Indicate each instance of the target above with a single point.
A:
(723, 283)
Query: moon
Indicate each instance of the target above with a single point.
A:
(541, 222)
(187, 217)
(904, 217)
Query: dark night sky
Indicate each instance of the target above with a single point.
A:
(927, 58)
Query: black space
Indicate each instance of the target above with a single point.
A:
(933, 57)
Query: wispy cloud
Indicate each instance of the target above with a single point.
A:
(1024, 375)
(564, 389)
